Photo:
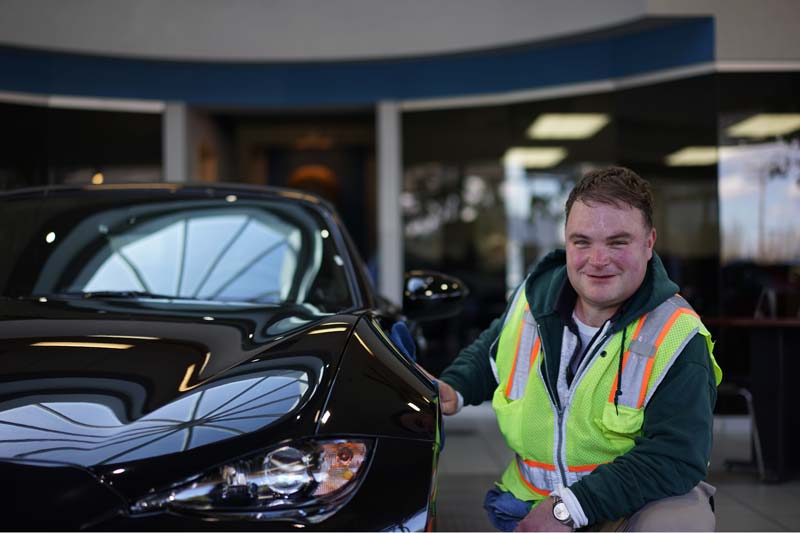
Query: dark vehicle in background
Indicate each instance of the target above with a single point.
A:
(193, 357)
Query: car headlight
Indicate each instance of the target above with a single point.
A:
(305, 481)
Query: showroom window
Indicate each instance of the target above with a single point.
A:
(49, 146)
(484, 188)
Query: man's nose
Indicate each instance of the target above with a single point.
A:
(598, 256)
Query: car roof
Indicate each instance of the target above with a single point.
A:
(190, 189)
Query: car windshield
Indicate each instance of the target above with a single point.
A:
(213, 250)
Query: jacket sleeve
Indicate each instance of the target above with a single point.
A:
(671, 456)
(471, 372)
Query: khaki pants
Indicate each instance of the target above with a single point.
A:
(689, 512)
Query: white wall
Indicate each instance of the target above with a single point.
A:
(298, 29)
(746, 30)
(264, 30)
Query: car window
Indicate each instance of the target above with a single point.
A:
(208, 254)
(210, 250)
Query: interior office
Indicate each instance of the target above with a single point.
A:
(448, 135)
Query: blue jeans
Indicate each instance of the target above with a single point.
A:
(504, 509)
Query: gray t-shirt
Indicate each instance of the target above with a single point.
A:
(586, 334)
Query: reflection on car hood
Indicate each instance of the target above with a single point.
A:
(117, 389)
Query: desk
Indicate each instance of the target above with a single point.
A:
(774, 357)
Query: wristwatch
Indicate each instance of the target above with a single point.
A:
(561, 513)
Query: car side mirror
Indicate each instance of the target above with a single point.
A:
(429, 295)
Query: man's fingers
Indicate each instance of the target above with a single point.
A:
(447, 394)
(449, 398)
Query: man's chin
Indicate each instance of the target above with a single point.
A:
(601, 295)
(603, 285)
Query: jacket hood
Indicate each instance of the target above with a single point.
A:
(548, 284)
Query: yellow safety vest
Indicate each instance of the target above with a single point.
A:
(556, 448)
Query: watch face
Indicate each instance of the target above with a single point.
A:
(560, 511)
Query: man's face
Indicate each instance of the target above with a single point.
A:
(608, 248)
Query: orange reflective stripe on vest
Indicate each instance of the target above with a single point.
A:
(539, 477)
(637, 364)
(527, 348)
(542, 478)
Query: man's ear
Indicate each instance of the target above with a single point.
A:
(651, 241)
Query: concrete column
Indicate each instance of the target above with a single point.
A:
(517, 200)
(175, 142)
(390, 217)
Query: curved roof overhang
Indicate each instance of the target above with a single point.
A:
(632, 50)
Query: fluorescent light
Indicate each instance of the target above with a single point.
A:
(326, 330)
(535, 157)
(693, 156)
(128, 337)
(106, 345)
(567, 125)
(765, 125)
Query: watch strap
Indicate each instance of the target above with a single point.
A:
(568, 521)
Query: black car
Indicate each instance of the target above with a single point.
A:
(194, 356)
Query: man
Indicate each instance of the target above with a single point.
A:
(601, 376)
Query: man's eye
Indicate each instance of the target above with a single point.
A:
(619, 243)
(580, 243)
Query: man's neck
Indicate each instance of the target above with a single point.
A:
(592, 316)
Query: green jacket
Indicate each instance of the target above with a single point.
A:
(672, 454)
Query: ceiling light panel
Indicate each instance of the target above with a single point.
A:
(693, 156)
(567, 125)
(535, 157)
(765, 125)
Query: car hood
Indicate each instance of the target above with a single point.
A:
(99, 390)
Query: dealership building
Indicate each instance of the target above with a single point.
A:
(447, 134)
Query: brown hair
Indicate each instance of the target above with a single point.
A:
(615, 186)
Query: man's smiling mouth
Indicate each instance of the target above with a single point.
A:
(601, 276)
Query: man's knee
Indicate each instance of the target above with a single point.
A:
(689, 512)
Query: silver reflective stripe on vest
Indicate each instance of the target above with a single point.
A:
(522, 366)
(643, 348)
(509, 311)
(669, 365)
(545, 480)
(573, 477)
(514, 302)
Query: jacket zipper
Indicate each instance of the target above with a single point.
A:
(559, 412)
(560, 453)
(559, 443)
